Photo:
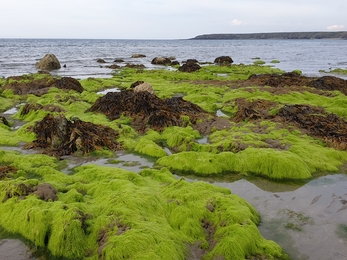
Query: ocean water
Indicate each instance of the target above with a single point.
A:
(18, 56)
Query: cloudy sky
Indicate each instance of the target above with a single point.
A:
(165, 19)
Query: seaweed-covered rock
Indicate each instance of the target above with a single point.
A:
(48, 62)
(6, 171)
(59, 136)
(294, 79)
(68, 83)
(146, 108)
(330, 127)
(29, 84)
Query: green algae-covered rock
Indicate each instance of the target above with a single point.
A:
(111, 213)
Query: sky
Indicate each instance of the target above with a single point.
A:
(165, 19)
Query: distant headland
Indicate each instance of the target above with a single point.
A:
(274, 35)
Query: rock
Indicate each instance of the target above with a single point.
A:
(144, 87)
(101, 61)
(139, 82)
(192, 61)
(135, 66)
(48, 62)
(118, 60)
(113, 66)
(138, 55)
(171, 57)
(161, 61)
(46, 192)
(224, 60)
(189, 67)
(175, 62)
(28, 84)
(68, 83)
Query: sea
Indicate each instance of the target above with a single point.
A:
(19, 56)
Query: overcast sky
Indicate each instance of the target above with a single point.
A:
(165, 19)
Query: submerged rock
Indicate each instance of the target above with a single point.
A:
(48, 62)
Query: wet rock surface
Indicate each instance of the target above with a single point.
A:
(59, 136)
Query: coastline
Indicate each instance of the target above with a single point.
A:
(274, 35)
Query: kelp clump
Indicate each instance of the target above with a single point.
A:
(145, 108)
(110, 213)
(59, 136)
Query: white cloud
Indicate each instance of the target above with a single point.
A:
(237, 22)
(336, 27)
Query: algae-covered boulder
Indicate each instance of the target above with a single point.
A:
(110, 213)
(39, 84)
(48, 62)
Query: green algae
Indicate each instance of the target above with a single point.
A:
(116, 214)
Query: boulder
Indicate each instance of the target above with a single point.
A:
(161, 61)
(189, 67)
(144, 87)
(101, 61)
(48, 62)
(226, 60)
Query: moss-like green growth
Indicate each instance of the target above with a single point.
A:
(275, 61)
(259, 62)
(148, 147)
(116, 214)
(337, 71)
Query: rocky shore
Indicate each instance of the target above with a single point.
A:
(207, 120)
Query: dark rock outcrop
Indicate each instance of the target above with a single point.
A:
(223, 60)
(189, 67)
(161, 61)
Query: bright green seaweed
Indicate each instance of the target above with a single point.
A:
(117, 214)
(111, 213)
